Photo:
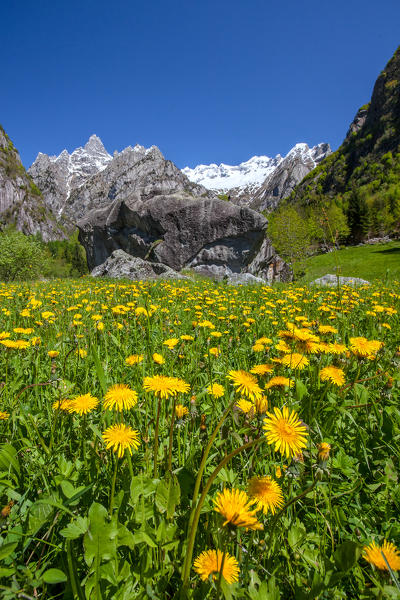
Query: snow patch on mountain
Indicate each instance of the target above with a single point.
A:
(248, 175)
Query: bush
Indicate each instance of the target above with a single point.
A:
(21, 256)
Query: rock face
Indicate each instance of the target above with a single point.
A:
(21, 202)
(121, 265)
(330, 280)
(260, 182)
(180, 230)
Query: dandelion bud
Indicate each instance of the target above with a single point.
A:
(323, 451)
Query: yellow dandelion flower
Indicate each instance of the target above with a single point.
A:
(15, 344)
(262, 369)
(285, 431)
(4, 335)
(134, 359)
(245, 406)
(171, 343)
(263, 340)
(295, 361)
(63, 404)
(163, 386)
(327, 329)
(120, 397)
(209, 563)
(120, 438)
(279, 381)
(236, 508)
(4, 415)
(332, 374)
(362, 347)
(216, 390)
(83, 404)
(258, 348)
(181, 411)
(158, 358)
(187, 338)
(373, 554)
(53, 353)
(267, 493)
(245, 383)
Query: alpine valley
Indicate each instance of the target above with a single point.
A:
(208, 218)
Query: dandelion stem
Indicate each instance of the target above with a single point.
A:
(195, 521)
(156, 437)
(113, 487)
(204, 459)
(171, 435)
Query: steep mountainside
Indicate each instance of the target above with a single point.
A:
(363, 175)
(261, 181)
(21, 202)
(133, 170)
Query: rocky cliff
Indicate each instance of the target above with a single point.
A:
(21, 202)
(363, 175)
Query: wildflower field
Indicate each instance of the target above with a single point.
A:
(192, 440)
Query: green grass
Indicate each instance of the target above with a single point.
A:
(379, 261)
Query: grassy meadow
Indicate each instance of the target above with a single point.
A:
(192, 440)
(369, 262)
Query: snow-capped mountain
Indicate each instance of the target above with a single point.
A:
(223, 178)
(58, 176)
(261, 181)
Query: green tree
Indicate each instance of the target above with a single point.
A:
(290, 236)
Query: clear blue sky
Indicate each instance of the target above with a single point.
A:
(206, 81)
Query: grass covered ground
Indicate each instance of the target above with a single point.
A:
(190, 440)
(381, 261)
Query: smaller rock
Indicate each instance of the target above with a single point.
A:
(122, 265)
(244, 279)
(216, 272)
(332, 280)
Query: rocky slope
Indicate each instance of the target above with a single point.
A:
(260, 182)
(21, 202)
(363, 175)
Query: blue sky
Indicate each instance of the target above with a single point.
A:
(206, 81)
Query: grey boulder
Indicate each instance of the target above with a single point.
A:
(121, 265)
(330, 280)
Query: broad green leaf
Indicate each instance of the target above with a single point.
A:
(347, 554)
(141, 536)
(142, 486)
(100, 541)
(7, 549)
(9, 458)
(54, 576)
(76, 528)
(39, 513)
(168, 494)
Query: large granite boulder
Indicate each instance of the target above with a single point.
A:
(180, 230)
(121, 265)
